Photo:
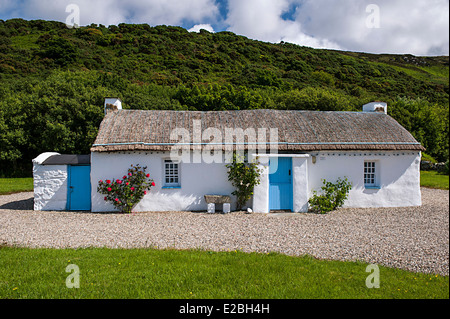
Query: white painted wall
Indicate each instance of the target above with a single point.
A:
(197, 180)
(50, 184)
(300, 184)
(398, 173)
(261, 191)
(50, 187)
(399, 178)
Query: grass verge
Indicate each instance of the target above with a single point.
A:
(432, 179)
(184, 274)
(15, 185)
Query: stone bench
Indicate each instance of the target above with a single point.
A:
(212, 200)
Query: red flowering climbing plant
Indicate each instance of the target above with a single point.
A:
(127, 192)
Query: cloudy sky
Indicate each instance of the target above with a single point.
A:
(419, 27)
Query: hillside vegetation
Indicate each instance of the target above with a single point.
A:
(54, 79)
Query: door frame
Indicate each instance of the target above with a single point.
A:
(69, 187)
(291, 186)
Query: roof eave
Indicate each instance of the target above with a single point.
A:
(281, 147)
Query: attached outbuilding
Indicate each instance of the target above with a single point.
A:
(62, 182)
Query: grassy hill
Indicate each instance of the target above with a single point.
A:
(53, 81)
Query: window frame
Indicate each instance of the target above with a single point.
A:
(167, 174)
(371, 174)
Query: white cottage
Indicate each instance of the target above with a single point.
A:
(186, 154)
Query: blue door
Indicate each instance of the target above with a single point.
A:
(79, 190)
(280, 184)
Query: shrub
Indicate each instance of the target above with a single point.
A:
(445, 169)
(333, 196)
(127, 192)
(243, 176)
(428, 158)
(60, 50)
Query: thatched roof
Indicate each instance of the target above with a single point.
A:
(129, 130)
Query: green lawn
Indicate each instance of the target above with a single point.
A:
(15, 185)
(433, 180)
(152, 273)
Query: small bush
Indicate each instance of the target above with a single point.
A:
(333, 196)
(127, 192)
(244, 176)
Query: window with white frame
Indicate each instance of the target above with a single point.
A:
(370, 174)
(171, 173)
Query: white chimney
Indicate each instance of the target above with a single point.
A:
(113, 103)
(375, 107)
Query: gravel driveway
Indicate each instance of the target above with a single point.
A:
(415, 239)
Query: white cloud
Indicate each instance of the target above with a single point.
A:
(170, 12)
(153, 12)
(262, 20)
(418, 27)
(104, 12)
(198, 27)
